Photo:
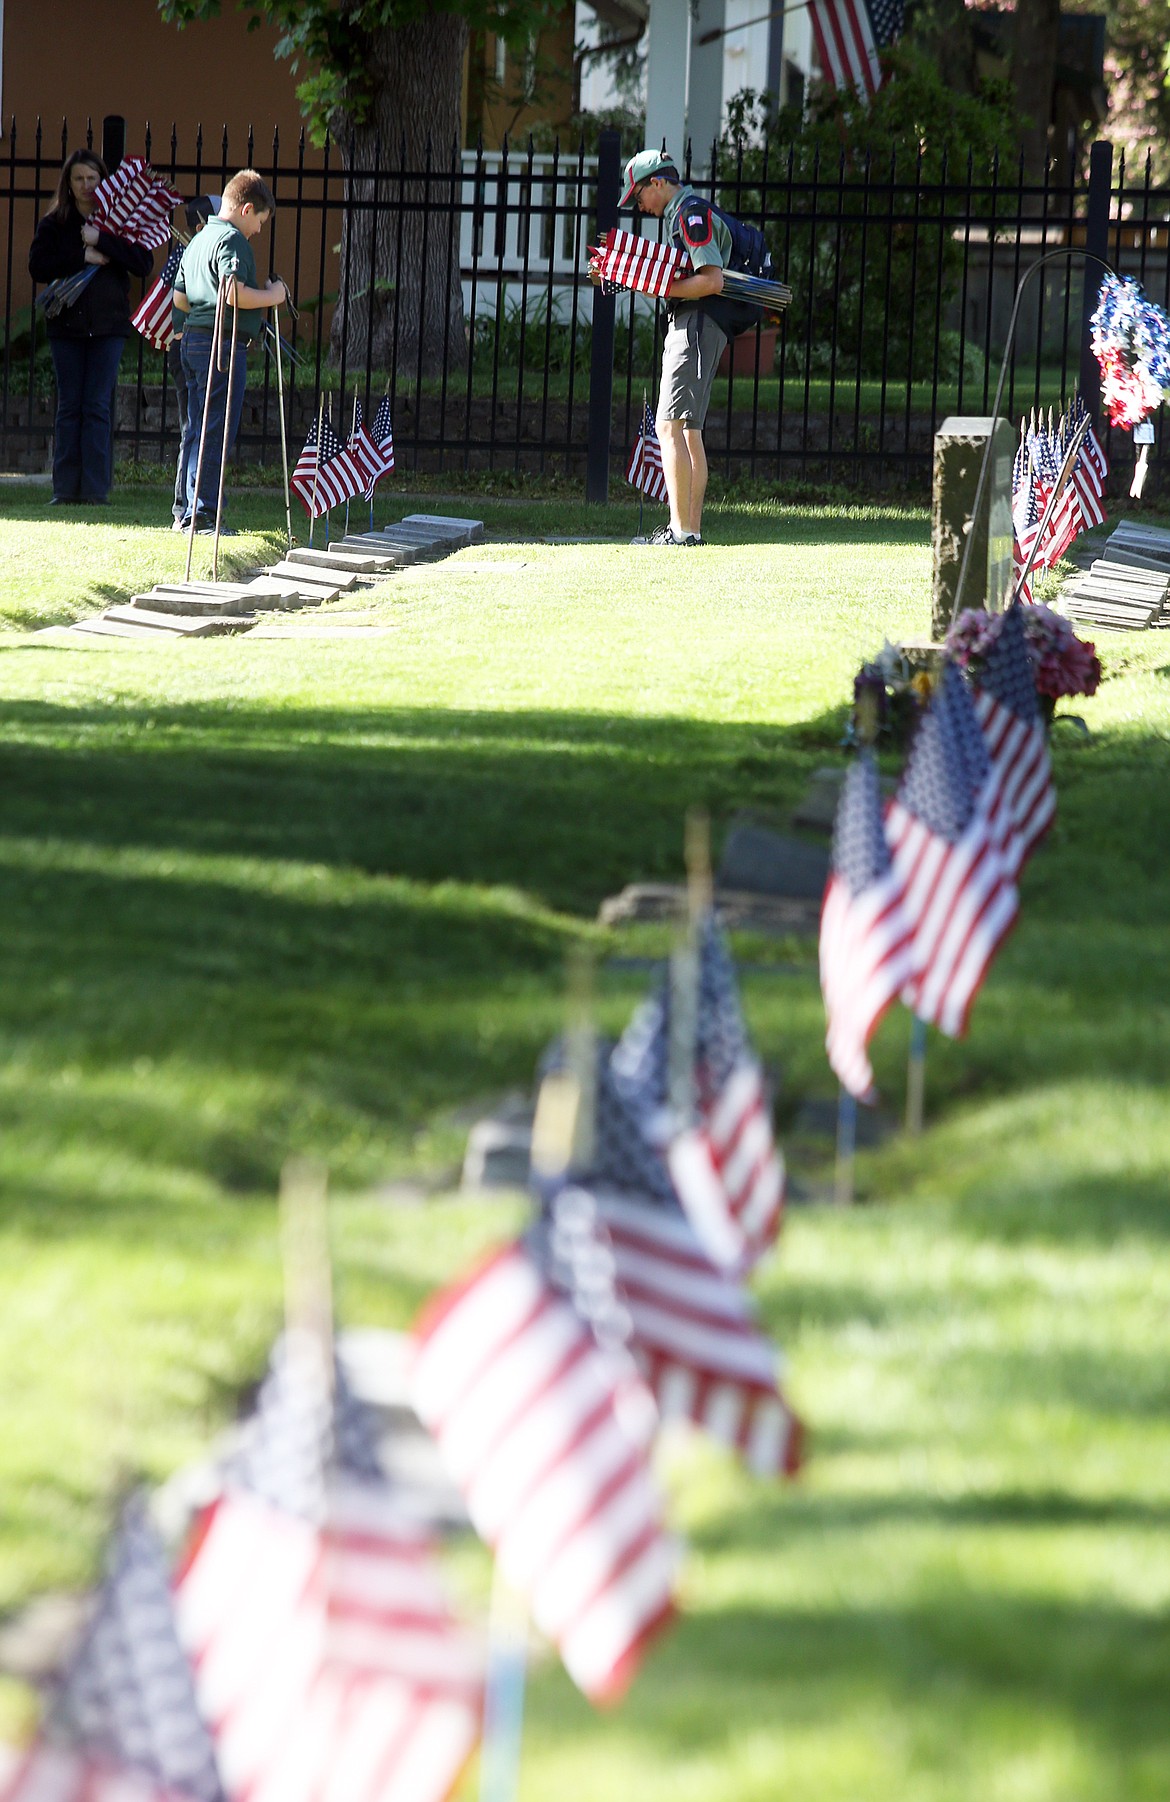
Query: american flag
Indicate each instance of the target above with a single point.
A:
(849, 35)
(327, 1657)
(326, 475)
(1005, 705)
(365, 446)
(726, 1168)
(527, 1409)
(1091, 468)
(628, 261)
(693, 1333)
(124, 1720)
(866, 945)
(949, 857)
(1065, 521)
(153, 318)
(644, 469)
(1025, 513)
(135, 204)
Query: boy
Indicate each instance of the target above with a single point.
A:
(695, 336)
(221, 252)
(195, 215)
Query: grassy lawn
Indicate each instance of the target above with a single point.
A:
(310, 895)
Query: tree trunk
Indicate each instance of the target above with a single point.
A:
(400, 293)
(1037, 28)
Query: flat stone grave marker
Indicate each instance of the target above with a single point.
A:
(758, 860)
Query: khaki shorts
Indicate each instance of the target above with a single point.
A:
(693, 347)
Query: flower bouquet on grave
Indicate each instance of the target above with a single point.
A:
(1062, 663)
(888, 700)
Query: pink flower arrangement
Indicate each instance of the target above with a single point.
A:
(1062, 663)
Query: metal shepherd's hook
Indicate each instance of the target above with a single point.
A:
(216, 338)
(227, 426)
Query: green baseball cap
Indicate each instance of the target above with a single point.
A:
(641, 167)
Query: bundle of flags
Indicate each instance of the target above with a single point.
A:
(1043, 457)
(328, 473)
(922, 891)
(644, 469)
(134, 204)
(626, 261)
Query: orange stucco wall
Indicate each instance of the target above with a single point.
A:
(86, 58)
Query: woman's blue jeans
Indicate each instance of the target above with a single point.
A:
(83, 437)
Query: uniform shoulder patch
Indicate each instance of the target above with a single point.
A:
(696, 225)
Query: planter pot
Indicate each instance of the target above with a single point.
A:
(740, 356)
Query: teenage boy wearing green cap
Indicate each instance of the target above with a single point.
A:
(694, 338)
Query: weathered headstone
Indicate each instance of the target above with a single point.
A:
(959, 447)
(759, 861)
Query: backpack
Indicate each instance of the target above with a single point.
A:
(750, 255)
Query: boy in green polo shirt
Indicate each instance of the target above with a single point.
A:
(221, 253)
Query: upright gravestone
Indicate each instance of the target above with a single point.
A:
(960, 445)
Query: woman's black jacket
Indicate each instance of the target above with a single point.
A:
(103, 310)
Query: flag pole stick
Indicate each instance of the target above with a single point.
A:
(352, 430)
(642, 435)
(503, 1712)
(846, 1148)
(329, 509)
(916, 1077)
(316, 470)
(283, 427)
(684, 968)
(304, 1240)
(216, 335)
(227, 426)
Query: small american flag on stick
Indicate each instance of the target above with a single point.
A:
(328, 1660)
(949, 855)
(1005, 706)
(326, 475)
(124, 1724)
(644, 470)
(153, 318)
(866, 942)
(527, 1411)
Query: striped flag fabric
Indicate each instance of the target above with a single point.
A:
(949, 856)
(1009, 717)
(644, 469)
(726, 1168)
(527, 1410)
(1064, 523)
(328, 1661)
(849, 35)
(153, 317)
(866, 940)
(694, 1336)
(136, 204)
(124, 1720)
(1091, 469)
(325, 475)
(627, 261)
(365, 446)
(1025, 515)
(692, 1331)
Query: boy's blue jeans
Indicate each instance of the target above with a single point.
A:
(87, 373)
(196, 355)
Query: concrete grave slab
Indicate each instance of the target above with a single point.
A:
(758, 860)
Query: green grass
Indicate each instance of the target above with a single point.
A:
(261, 897)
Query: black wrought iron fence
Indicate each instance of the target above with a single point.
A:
(903, 282)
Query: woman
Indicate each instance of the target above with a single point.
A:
(86, 339)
